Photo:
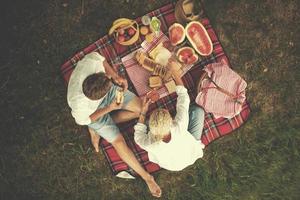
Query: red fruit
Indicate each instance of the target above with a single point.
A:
(121, 31)
(192, 59)
(121, 38)
(199, 38)
(153, 95)
(187, 55)
(131, 31)
(176, 34)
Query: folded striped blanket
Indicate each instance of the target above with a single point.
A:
(113, 52)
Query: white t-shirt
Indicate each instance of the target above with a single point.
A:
(82, 107)
(183, 149)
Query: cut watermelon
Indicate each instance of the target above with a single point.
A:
(176, 34)
(199, 38)
(187, 55)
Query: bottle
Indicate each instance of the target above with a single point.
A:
(146, 20)
(155, 25)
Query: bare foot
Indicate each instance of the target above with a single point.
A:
(94, 139)
(153, 187)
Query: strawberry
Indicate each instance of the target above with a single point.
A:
(121, 31)
(121, 38)
(131, 31)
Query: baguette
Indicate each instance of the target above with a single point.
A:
(119, 96)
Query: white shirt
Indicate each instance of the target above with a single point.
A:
(183, 149)
(82, 107)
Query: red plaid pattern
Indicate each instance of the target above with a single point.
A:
(113, 52)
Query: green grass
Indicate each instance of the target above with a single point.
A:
(45, 155)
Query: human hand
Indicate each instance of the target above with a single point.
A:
(115, 106)
(174, 66)
(121, 82)
(145, 105)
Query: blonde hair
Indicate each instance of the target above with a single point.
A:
(160, 123)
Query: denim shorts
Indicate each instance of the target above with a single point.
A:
(105, 126)
(196, 121)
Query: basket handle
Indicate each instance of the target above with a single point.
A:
(130, 25)
(205, 76)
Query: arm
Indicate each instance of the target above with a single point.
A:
(183, 100)
(109, 70)
(173, 66)
(182, 107)
(141, 137)
(140, 129)
(102, 111)
(114, 75)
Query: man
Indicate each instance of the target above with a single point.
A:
(172, 144)
(92, 98)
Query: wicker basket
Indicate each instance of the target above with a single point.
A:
(134, 38)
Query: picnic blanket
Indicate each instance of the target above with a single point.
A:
(113, 52)
(140, 76)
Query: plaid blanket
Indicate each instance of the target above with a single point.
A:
(140, 76)
(113, 52)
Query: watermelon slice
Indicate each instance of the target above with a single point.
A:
(199, 38)
(176, 34)
(187, 55)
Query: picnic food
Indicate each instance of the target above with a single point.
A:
(187, 55)
(199, 38)
(144, 30)
(167, 76)
(160, 54)
(154, 52)
(149, 37)
(150, 65)
(146, 62)
(155, 81)
(159, 70)
(125, 31)
(146, 20)
(153, 96)
(131, 31)
(176, 34)
(171, 86)
(119, 96)
(175, 67)
(155, 25)
(120, 23)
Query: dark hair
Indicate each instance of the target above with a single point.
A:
(95, 86)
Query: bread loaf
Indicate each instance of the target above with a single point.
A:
(152, 66)
(171, 86)
(146, 62)
(168, 75)
(155, 81)
(119, 96)
(155, 51)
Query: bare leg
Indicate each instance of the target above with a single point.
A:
(94, 139)
(128, 157)
(135, 105)
(130, 111)
(123, 116)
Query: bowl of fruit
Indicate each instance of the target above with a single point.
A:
(125, 31)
